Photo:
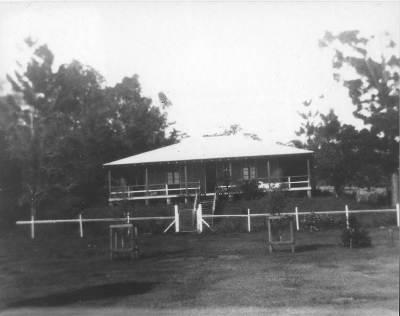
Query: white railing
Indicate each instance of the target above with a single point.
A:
(293, 183)
(162, 189)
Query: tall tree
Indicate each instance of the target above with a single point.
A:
(26, 144)
(10, 171)
(64, 126)
(373, 86)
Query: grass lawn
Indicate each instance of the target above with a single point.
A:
(59, 273)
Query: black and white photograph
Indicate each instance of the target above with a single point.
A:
(199, 158)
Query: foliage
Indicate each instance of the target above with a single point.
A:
(343, 155)
(355, 236)
(10, 171)
(235, 129)
(158, 227)
(62, 126)
(250, 190)
(276, 199)
(315, 222)
(358, 238)
(374, 87)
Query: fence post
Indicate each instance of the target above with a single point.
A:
(248, 219)
(176, 219)
(398, 214)
(33, 227)
(199, 219)
(297, 218)
(347, 217)
(127, 218)
(80, 225)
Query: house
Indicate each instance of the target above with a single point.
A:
(208, 164)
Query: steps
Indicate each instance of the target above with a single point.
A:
(207, 205)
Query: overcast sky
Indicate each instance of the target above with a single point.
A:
(220, 63)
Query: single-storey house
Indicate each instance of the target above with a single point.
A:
(208, 164)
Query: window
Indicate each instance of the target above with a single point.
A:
(249, 173)
(173, 177)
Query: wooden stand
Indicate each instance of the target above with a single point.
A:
(120, 243)
(271, 242)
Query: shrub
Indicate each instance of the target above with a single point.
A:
(157, 227)
(315, 222)
(355, 236)
(276, 199)
(250, 190)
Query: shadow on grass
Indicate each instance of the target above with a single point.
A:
(92, 293)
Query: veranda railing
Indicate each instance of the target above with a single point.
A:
(293, 183)
(164, 189)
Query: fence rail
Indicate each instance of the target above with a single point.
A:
(163, 189)
(200, 218)
(293, 183)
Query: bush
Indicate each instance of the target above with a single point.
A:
(315, 222)
(157, 227)
(276, 199)
(250, 190)
(355, 236)
(359, 238)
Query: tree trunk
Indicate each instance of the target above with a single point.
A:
(395, 189)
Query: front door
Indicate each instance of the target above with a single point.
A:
(211, 179)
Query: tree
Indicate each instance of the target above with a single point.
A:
(235, 129)
(25, 134)
(62, 126)
(10, 173)
(373, 87)
(121, 123)
(343, 155)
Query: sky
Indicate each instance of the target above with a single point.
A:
(219, 63)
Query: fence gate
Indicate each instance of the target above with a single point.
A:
(186, 221)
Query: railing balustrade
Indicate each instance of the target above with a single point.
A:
(293, 182)
(165, 189)
(132, 191)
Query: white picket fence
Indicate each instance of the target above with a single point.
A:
(200, 218)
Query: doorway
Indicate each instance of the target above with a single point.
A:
(211, 179)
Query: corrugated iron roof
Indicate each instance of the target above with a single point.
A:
(207, 148)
